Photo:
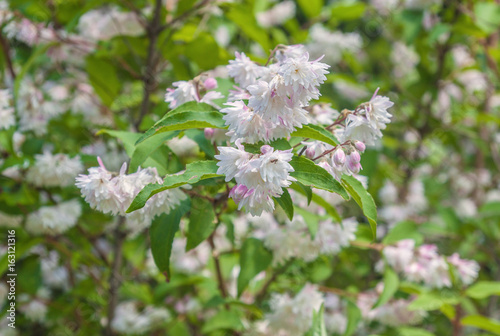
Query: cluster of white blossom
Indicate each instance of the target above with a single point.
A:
(278, 14)
(335, 42)
(7, 118)
(129, 320)
(54, 170)
(54, 220)
(113, 193)
(193, 90)
(293, 316)
(394, 313)
(425, 264)
(293, 240)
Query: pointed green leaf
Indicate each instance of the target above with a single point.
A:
(187, 116)
(162, 234)
(285, 202)
(318, 325)
(310, 174)
(353, 318)
(316, 132)
(254, 258)
(391, 284)
(201, 222)
(482, 322)
(195, 172)
(364, 200)
(483, 289)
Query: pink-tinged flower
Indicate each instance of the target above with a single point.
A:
(244, 71)
(210, 83)
(467, 269)
(339, 156)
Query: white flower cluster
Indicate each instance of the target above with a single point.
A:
(366, 123)
(7, 118)
(293, 240)
(278, 14)
(54, 220)
(113, 193)
(193, 90)
(335, 42)
(394, 313)
(104, 24)
(259, 177)
(424, 264)
(277, 95)
(54, 170)
(129, 321)
(293, 316)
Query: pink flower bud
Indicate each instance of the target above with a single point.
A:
(354, 157)
(360, 146)
(266, 149)
(239, 192)
(339, 156)
(310, 153)
(209, 133)
(210, 83)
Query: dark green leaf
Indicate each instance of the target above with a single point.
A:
(104, 79)
(196, 171)
(364, 200)
(162, 234)
(316, 132)
(285, 201)
(310, 174)
(254, 258)
(201, 222)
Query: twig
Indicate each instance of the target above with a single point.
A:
(149, 75)
(263, 291)
(8, 59)
(114, 279)
(218, 270)
(457, 326)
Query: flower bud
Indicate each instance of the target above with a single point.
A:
(339, 156)
(209, 133)
(310, 153)
(239, 192)
(354, 157)
(210, 83)
(266, 149)
(360, 146)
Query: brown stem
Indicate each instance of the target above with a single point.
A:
(114, 279)
(218, 269)
(8, 59)
(336, 291)
(263, 291)
(150, 74)
(457, 326)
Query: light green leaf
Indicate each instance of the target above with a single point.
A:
(195, 172)
(391, 283)
(254, 258)
(318, 325)
(353, 318)
(310, 174)
(312, 221)
(411, 331)
(239, 15)
(187, 116)
(482, 322)
(487, 15)
(225, 320)
(316, 132)
(161, 235)
(104, 79)
(201, 222)
(311, 8)
(483, 289)
(403, 230)
(346, 12)
(285, 202)
(364, 200)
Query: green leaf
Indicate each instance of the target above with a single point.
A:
(226, 320)
(254, 258)
(483, 289)
(310, 174)
(353, 318)
(187, 116)
(318, 324)
(201, 222)
(330, 209)
(316, 132)
(312, 221)
(487, 15)
(146, 148)
(403, 230)
(285, 202)
(161, 235)
(391, 284)
(364, 200)
(482, 322)
(104, 79)
(410, 331)
(195, 172)
(311, 8)
(248, 25)
(198, 49)
(304, 190)
(426, 301)
(346, 12)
